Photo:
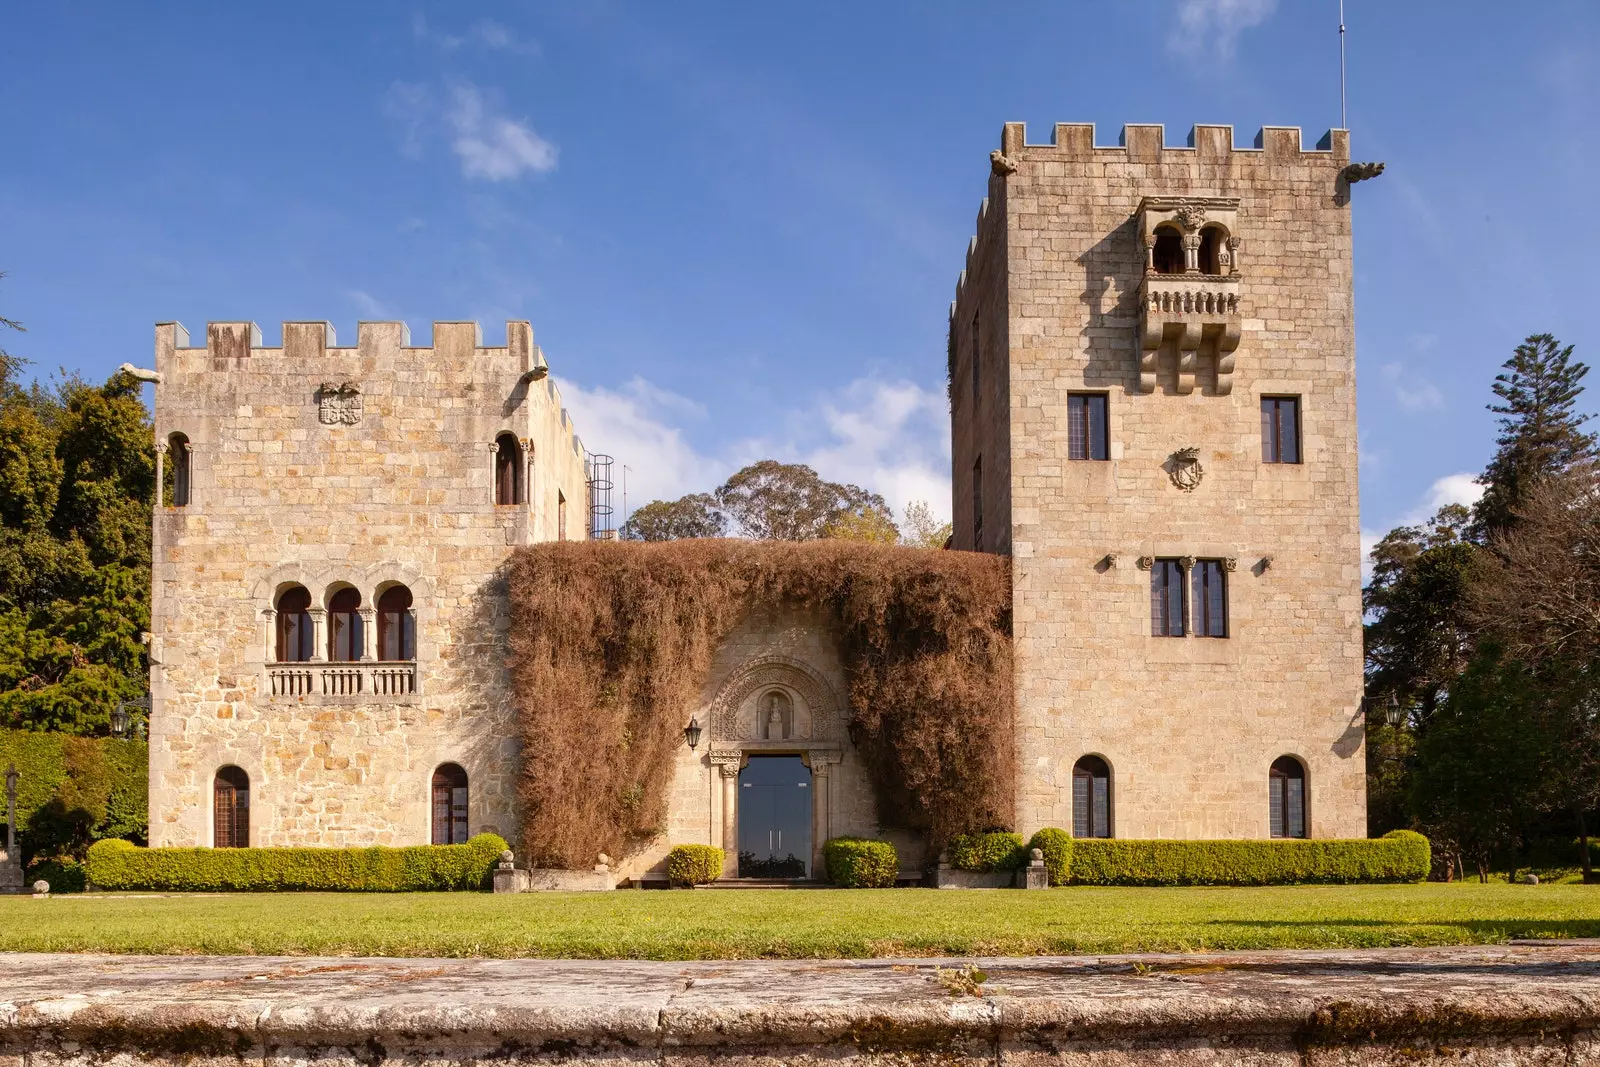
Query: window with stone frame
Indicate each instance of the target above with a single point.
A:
(1209, 598)
(397, 626)
(1087, 436)
(977, 504)
(508, 472)
(296, 634)
(1091, 798)
(230, 809)
(1167, 616)
(449, 805)
(1280, 429)
(977, 358)
(179, 457)
(1286, 784)
(561, 516)
(344, 626)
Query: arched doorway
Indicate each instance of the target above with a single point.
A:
(775, 817)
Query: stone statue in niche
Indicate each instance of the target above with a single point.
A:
(777, 716)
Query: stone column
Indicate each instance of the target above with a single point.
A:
(1191, 253)
(319, 633)
(161, 457)
(821, 803)
(369, 632)
(1233, 255)
(1186, 565)
(271, 649)
(1149, 253)
(730, 818)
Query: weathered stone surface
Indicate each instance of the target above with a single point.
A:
(1514, 1005)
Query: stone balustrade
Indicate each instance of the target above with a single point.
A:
(384, 680)
(1188, 312)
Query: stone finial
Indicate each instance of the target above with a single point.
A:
(1531, 879)
(508, 861)
(41, 888)
(1036, 857)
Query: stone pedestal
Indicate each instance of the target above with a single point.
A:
(1035, 875)
(11, 873)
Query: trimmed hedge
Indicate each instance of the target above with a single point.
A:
(119, 865)
(64, 875)
(689, 865)
(995, 850)
(861, 863)
(1398, 856)
(1057, 848)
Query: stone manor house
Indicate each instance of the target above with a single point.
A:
(1152, 387)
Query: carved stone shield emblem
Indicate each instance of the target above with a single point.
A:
(339, 405)
(1184, 468)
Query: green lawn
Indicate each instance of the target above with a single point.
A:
(812, 923)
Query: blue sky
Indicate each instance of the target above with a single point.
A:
(736, 228)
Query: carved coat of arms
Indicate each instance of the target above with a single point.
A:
(1184, 468)
(339, 404)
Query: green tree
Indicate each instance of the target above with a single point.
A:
(921, 529)
(867, 523)
(695, 515)
(774, 501)
(1540, 432)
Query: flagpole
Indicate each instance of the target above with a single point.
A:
(1344, 123)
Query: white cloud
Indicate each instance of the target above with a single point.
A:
(1459, 488)
(492, 146)
(890, 437)
(484, 33)
(1411, 392)
(370, 308)
(1212, 27)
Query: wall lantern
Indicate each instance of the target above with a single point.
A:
(691, 733)
(119, 721)
(854, 730)
(1393, 713)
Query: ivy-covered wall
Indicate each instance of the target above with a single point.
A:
(74, 791)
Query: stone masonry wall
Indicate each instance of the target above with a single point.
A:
(281, 496)
(1188, 726)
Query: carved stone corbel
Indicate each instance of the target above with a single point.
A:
(1230, 564)
(1146, 562)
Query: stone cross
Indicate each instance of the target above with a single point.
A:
(11, 809)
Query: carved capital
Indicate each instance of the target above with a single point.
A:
(1146, 562)
(317, 612)
(162, 447)
(1186, 563)
(1230, 564)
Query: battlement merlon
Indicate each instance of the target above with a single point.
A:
(1141, 143)
(239, 340)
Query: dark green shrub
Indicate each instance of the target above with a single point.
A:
(1057, 848)
(689, 865)
(861, 863)
(1398, 856)
(993, 851)
(119, 865)
(73, 791)
(64, 875)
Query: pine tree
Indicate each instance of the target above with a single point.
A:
(1540, 433)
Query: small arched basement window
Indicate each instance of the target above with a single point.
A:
(1286, 784)
(1211, 240)
(449, 805)
(230, 809)
(178, 453)
(296, 637)
(397, 626)
(507, 470)
(1091, 798)
(1168, 256)
(344, 626)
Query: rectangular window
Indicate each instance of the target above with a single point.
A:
(1288, 807)
(976, 360)
(1166, 599)
(1086, 426)
(977, 505)
(561, 516)
(1210, 598)
(1280, 429)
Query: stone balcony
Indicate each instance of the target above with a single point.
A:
(360, 682)
(1193, 315)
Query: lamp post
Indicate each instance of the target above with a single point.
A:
(122, 718)
(691, 733)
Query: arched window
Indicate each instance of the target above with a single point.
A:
(1286, 784)
(296, 638)
(1211, 239)
(344, 626)
(178, 453)
(1168, 258)
(507, 470)
(1091, 798)
(397, 627)
(230, 808)
(449, 805)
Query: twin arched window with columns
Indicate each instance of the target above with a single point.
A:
(346, 622)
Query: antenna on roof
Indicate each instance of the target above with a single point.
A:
(1343, 122)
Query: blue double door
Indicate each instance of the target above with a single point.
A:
(775, 818)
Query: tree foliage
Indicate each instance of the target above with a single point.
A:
(76, 481)
(921, 529)
(695, 515)
(772, 501)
